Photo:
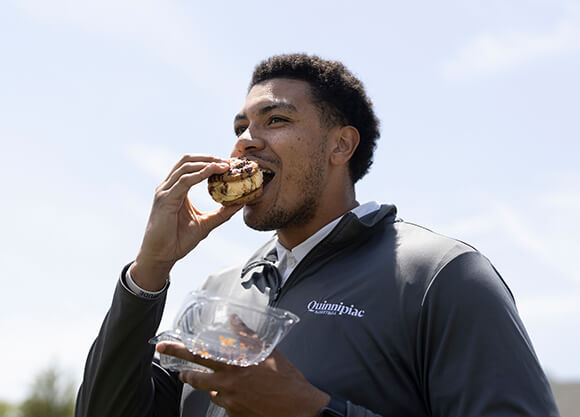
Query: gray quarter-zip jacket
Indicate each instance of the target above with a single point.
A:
(395, 320)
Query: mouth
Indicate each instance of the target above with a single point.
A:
(268, 176)
(269, 168)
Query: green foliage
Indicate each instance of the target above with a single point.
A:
(49, 396)
(6, 410)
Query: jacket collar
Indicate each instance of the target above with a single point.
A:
(348, 228)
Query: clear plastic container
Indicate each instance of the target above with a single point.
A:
(226, 330)
(171, 362)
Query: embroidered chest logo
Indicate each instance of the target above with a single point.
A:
(332, 309)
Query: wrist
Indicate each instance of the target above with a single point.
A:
(150, 276)
(335, 408)
(317, 401)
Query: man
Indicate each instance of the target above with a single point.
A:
(395, 320)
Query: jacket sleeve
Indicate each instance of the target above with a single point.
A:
(120, 377)
(475, 357)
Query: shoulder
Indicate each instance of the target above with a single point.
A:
(422, 242)
(429, 262)
(420, 253)
(471, 281)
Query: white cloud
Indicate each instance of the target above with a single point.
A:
(492, 53)
(161, 27)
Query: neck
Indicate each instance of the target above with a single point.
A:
(327, 211)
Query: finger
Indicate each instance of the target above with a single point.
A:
(189, 179)
(192, 169)
(180, 351)
(218, 399)
(200, 380)
(174, 349)
(215, 218)
(195, 158)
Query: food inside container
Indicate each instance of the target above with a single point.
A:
(225, 330)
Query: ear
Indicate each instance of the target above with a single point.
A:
(345, 143)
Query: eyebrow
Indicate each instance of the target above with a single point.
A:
(270, 107)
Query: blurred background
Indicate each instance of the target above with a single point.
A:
(479, 105)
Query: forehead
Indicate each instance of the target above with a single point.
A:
(279, 91)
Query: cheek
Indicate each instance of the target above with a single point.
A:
(295, 182)
(295, 163)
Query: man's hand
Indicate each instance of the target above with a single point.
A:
(274, 388)
(175, 226)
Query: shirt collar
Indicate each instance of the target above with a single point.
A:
(301, 250)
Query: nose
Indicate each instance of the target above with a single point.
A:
(247, 143)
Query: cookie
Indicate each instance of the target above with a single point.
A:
(239, 169)
(240, 185)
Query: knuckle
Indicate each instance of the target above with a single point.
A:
(184, 180)
(193, 156)
(207, 170)
(212, 169)
(186, 377)
(191, 167)
(159, 196)
(186, 157)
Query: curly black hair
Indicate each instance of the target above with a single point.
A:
(338, 94)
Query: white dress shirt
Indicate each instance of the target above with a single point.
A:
(287, 259)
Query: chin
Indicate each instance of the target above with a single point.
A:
(262, 216)
(256, 219)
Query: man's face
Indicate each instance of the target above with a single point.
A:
(280, 128)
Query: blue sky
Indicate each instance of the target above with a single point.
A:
(98, 99)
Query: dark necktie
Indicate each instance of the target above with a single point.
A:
(267, 277)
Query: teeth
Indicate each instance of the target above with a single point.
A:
(268, 175)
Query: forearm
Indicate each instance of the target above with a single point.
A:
(118, 374)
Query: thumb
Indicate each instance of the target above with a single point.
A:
(215, 218)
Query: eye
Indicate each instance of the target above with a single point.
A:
(238, 130)
(276, 119)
